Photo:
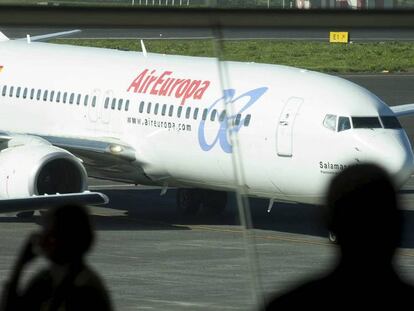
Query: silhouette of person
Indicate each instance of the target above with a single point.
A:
(67, 283)
(363, 212)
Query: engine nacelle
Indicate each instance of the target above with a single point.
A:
(36, 169)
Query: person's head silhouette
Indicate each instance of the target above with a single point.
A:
(67, 234)
(364, 215)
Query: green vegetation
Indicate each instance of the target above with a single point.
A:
(319, 56)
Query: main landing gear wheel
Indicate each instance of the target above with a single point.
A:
(25, 215)
(189, 201)
(214, 202)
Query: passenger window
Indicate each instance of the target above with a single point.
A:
(164, 110)
(78, 99)
(247, 120)
(32, 91)
(171, 111)
(127, 105)
(222, 116)
(149, 108)
(179, 111)
(343, 124)
(120, 102)
(113, 104)
(205, 112)
(85, 101)
(3, 93)
(71, 98)
(65, 97)
(188, 113)
(25, 93)
(94, 101)
(330, 122)
(18, 92)
(45, 95)
(213, 115)
(52, 95)
(141, 107)
(156, 108)
(106, 105)
(237, 121)
(58, 97)
(39, 94)
(11, 91)
(195, 115)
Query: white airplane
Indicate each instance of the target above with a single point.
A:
(69, 112)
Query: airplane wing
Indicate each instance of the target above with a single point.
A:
(107, 158)
(403, 110)
(45, 37)
(52, 35)
(41, 202)
(102, 157)
(3, 37)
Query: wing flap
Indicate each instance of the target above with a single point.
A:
(45, 201)
(3, 37)
(52, 35)
(103, 157)
(403, 110)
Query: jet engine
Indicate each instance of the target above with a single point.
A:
(39, 169)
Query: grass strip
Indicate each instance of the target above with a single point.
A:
(372, 57)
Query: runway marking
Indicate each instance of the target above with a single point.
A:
(189, 304)
(255, 235)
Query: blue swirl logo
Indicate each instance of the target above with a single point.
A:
(229, 97)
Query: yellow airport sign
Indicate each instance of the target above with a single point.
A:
(339, 37)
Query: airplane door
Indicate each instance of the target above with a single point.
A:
(93, 105)
(285, 126)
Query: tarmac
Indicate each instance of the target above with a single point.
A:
(151, 259)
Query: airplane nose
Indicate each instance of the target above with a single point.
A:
(393, 152)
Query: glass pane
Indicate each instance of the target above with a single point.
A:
(330, 122)
(390, 122)
(366, 122)
(246, 226)
(343, 124)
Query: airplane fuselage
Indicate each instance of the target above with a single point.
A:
(181, 113)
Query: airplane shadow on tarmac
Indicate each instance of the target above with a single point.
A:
(147, 210)
(159, 212)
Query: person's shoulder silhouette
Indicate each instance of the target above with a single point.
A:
(362, 211)
(68, 283)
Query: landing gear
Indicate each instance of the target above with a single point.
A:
(190, 201)
(332, 237)
(214, 202)
(25, 215)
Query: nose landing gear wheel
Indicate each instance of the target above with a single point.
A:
(332, 237)
(188, 201)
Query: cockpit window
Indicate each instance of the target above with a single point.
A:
(330, 122)
(366, 122)
(390, 122)
(343, 124)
